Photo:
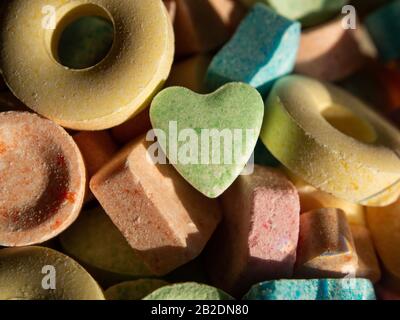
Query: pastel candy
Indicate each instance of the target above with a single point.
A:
(326, 247)
(384, 26)
(309, 12)
(368, 265)
(263, 49)
(234, 107)
(258, 236)
(384, 224)
(204, 25)
(307, 124)
(101, 96)
(188, 291)
(21, 276)
(133, 290)
(329, 52)
(315, 289)
(43, 179)
(190, 73)
(132, 128)
(98, 245)
(164, 220)
(312, 198)
(97, 148)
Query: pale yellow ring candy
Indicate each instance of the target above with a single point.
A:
(333, 141)
(98, 97)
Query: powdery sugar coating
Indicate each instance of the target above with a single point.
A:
(42, 180)
(257, 239)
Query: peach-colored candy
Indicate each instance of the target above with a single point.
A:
(164, 219)
(42, 182)
(97, 149)
(326, 247)
(202, 25)
(329, 52)
(171, 7)
(132, 128)
(231, 12)
(190, 73)
(368, 266)
(257, 238)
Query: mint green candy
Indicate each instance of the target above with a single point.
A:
(189, 126)
(188, 291)
(133, 290)
(308, 12)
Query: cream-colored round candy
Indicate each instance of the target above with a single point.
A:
(333, 141)
(98, 97)
(38, 273)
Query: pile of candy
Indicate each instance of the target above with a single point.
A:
(114, 118)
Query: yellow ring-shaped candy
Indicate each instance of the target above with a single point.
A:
(332, 140)
(38, 273)
(98, 97)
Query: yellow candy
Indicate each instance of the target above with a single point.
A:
(101, 96)
(384, 224)
(333, 141)
(312, 199)
(368, 265)
(28, 274)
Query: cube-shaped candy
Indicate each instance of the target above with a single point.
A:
(263, 49)
(315, 289)
(258, 237)
(368, 265)
(326, 247)
(384, 224)
(162, 217)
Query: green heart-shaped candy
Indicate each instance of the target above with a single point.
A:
(184, 121)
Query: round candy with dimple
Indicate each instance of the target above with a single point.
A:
(188, 291)
(27, 274)
(95, 242)
(333, 141)
(309, 12)
(103, 95)
(42, 182)
(133, 290)
(314, 289)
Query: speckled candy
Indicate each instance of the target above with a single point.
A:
(235, 106)
(258, 236)
(263, 49)
(316, 289)
(188, 291)
(326, 247)
(162, 217)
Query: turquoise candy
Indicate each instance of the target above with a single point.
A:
(263, 49)
(384, 28)
(316, 289)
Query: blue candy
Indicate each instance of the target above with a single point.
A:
(384, 28)
(316, 289)
(263, 49)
